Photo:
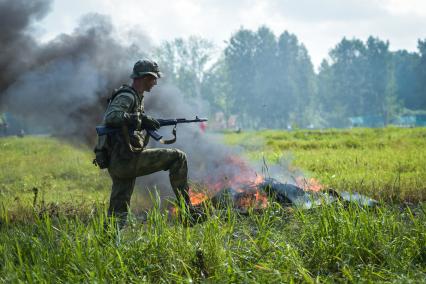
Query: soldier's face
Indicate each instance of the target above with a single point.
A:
(144, 84)
(150, 82)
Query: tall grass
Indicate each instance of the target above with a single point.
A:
(331, 243)
(60, 239)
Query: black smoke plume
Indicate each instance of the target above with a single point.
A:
(61, 86)
(17, 50)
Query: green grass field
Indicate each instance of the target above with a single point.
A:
(60, 236)
(61, 173)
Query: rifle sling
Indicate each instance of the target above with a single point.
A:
(170, 141)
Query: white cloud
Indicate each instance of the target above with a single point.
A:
(327, 10)
(404, 7)
(318, 24)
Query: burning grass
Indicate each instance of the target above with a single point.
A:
(387, 164)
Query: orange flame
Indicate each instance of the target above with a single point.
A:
(237, 174)
(309, 184)
(243, 179)
(197, 197)
(251, 199)
(240, 173)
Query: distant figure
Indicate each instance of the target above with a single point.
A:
(232, 122)
(127, 154)
(21, 133)
(3, 125)
(3, 129)
(203, 127)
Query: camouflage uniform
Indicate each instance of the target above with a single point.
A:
(126, 165)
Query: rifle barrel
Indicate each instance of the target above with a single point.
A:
(105, 130)
(165, 122)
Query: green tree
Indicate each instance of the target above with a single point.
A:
(379, 79)
(239, 60)
(295, 81)
(263, 106)
(286, 60)
(304, 76)
(362, 80)
(215, 88)
(406, 77)
(185, 62)
(421, 76)
(348, 80)
(271, 81)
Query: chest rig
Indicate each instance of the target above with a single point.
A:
(103, 147)
(137, 107)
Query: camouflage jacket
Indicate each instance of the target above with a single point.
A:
(125, 99)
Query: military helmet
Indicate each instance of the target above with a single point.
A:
(144, 67)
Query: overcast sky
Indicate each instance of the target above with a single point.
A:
(319, 24)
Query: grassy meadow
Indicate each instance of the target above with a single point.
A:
(59, 236)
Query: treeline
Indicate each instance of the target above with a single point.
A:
(270, 82)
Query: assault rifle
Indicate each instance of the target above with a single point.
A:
(105, 130)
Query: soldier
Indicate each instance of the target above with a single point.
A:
(128, 156)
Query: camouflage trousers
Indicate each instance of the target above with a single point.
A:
(123, 173)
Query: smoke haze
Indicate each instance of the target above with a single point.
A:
(62, 85)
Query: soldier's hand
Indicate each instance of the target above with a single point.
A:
(133, 119)
(150, 123)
